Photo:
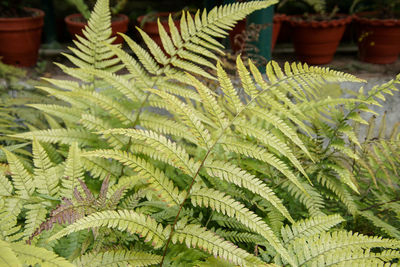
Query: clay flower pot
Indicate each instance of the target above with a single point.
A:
(20, 38)
(151, 27)
(76, 23)
(277, 24)
(378, 39)
(315, 42)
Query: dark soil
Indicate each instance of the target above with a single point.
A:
(83, 20)
(7, 12)
(316, 17)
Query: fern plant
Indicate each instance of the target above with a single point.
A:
(176, 162)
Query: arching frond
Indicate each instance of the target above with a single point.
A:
(309, 227)
(123, 220)
(22, 179)
(72, 172)
(31, 255)
(196, 236)
(156, 178)
(222, 203)
(233, 174)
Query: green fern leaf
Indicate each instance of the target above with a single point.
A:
(63, 136)
(46, 178)
(253, 151)
(309, 227)
(6, 187)
(31, 255)
(36, 214)
(156, 178)
(116, 258)
(102, 168)
(123, 220)
(222, 203)
(196, 236)
(72, 172)
(241, 178)
(7, 256)
(168, 151)
(21, 177)
(331, 246)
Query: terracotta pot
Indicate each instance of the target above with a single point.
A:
(20, 39)
(235, 36)
(315, 42)
(378, 40)
(277, 24)
(151, 27)
(119, 23)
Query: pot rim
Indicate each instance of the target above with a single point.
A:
(279, 17)
(341, 21)
(157, 15)
(69, 19)
(362, 19)
(40, 15)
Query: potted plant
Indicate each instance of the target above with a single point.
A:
(20, 33)
(378, 30)
(316, 35)
(76, 22)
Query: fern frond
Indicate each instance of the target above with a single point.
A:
(340, 191)
(92, 50)
(120, 83)
(63, 136)
(241, 178)
(36, 214)
(168, 152)
(166, 126)
(269, 140)
(116, 258)
(7, 257)
(31, 255)
(229, 91)
(327, 246)
(250, 150)
(21, 177)
(66, 113)
(123, 220)
(226, 205)
(156, 178)
(101, 168)
(243, 237)
(113, 107)
(363, 257)
(6, 187)
(281, 125)
(196, 236)
(46, 178)
(209, 102)
(387, 228)
(97, 124)
(189, 117)
(309, 227)
(313, 201)
(73, 171)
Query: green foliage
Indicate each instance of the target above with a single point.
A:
(175, 162)
(16, 113)
(84, 6)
